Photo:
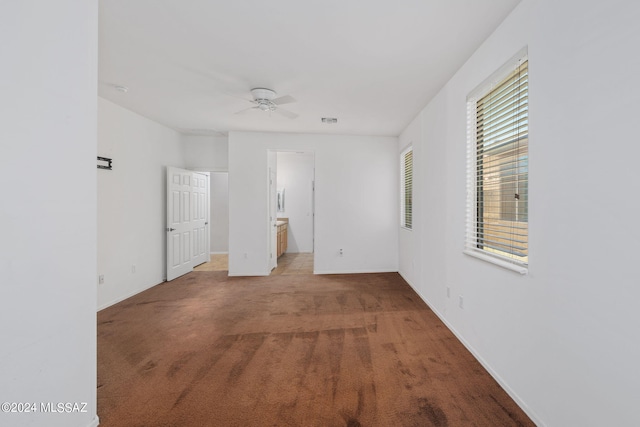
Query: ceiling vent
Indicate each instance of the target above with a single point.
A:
(329, 120)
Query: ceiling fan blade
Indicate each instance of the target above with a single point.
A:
(244, 111)
(284, 100)
(286, 113)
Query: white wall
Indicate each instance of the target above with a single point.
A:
(563, 339)
(356, 190)
(48, 210)
(295, 176)
(206, 153)
(219, 212)
(132, 201)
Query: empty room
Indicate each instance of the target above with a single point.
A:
(309, 213)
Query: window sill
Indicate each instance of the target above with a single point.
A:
(500, 263)
(402, 227)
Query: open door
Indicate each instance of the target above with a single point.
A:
(187, 221)
(200, 217)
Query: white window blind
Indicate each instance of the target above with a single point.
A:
(498, 170)
(406, 213)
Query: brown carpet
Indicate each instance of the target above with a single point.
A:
(299, 350)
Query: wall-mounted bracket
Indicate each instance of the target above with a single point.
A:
(105, 160)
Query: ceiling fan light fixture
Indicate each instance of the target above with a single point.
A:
(265, 100)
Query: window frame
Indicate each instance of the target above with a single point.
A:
(403, 190)
(475, 246)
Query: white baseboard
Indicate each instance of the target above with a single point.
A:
(536, 420)
(128, 295)
(248, 274)
(352, 271)
(219, 253)
(412, 287)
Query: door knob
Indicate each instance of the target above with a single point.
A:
(170, 229)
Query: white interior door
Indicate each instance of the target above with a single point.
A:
(179, 222)
(273, 194)
(200, 218)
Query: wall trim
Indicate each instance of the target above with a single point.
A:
(353, 271)
(129, 295)
(248, 274)
(536, 420)
(219, 253)
(411, 284)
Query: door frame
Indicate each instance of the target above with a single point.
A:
(272, 162)
(273, 218)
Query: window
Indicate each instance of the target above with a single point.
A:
(498, 170)
(406, 191)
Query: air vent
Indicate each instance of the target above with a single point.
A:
(329, 120)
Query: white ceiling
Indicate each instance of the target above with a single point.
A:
(190, 64)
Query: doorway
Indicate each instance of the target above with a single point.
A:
(294, 198)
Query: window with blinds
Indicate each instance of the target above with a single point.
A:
(406, 191)
(498, 170)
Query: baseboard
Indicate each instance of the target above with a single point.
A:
(352, 271)
(219, 253)
(129, 295)
(252, 274)
(479, 358)
(248, 274)
(94, 422)
(412, 287)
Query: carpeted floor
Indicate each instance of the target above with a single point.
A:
(297, 350)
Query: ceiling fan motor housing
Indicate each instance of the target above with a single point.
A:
(260, 93)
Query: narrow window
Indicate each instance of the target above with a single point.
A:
(406, 176)
(498, 170)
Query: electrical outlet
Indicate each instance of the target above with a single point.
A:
(133, 268)
(340, 252)
(101, 279)
(460, 301)
(448, 292)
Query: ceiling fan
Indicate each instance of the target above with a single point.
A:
(265, 100)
